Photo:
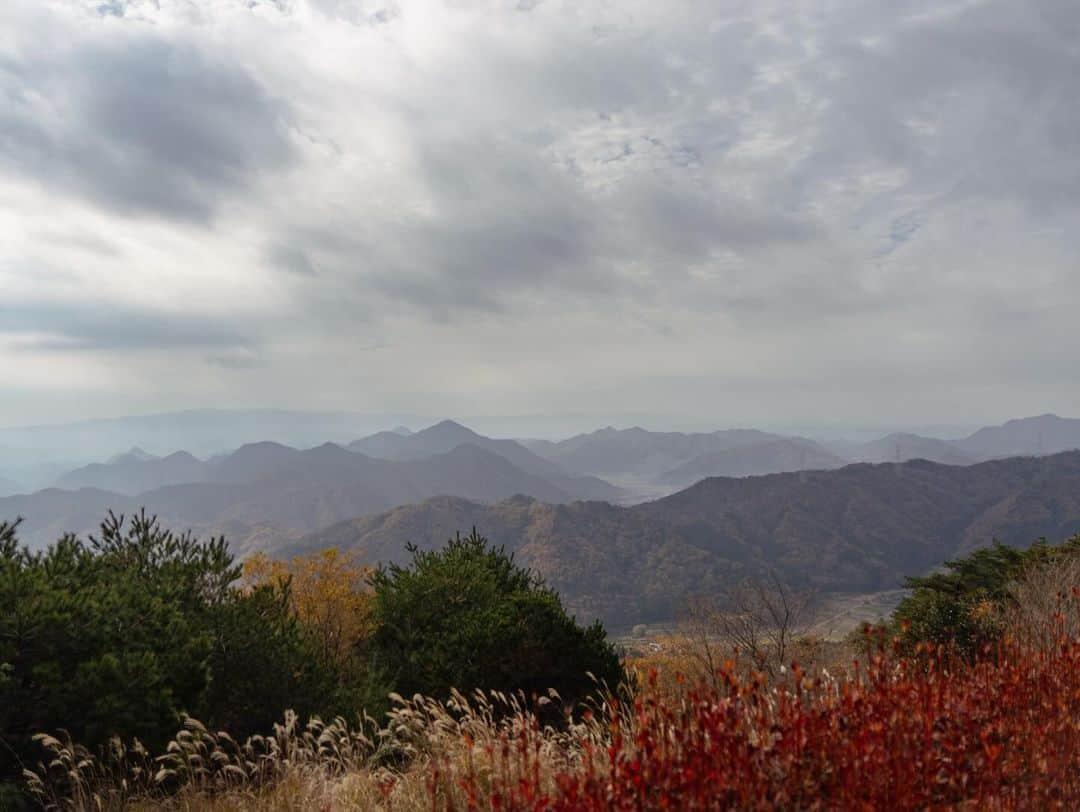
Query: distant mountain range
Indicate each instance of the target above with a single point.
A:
(757, 459)
(265, 493)
(136, 472)
(448, 435)
(859, 528)
(635, 450)
(35, 456)
(675, 459)
(1046, 434)
(901, 447)
(1029, 436)
(645, 463)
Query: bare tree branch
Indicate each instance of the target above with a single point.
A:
(758, 617)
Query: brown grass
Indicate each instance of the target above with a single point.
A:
(424, 752)
(1041, 608)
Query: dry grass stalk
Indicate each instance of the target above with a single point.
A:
(427, 749)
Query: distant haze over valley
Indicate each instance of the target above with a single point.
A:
(35, 456)
(37, 453)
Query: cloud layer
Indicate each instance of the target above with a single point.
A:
(743, 212)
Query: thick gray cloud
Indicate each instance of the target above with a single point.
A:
(982, 96)
(142, 125)
(742, 212)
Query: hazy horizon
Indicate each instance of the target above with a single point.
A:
(544, 426)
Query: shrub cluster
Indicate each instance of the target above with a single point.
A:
(467, 617)
(967, 603)
(125, 635)
(120, 635)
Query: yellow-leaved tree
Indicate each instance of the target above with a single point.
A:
(330, 594)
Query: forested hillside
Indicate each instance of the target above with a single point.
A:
(860, 528)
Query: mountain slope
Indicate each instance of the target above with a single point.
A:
(386, 445)
(1045, 434)
(50, 513)
(756, 459)
(254, 461)
(855, 524)
(131, 473)
(901, 447)
(637, 451)
(448, 435)
(134, 454)
(648, 464)
(859, 528)
(606, 561)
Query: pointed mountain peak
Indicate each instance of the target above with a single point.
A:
(329, 451)
(134, 454)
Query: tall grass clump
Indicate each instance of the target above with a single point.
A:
(427, 753)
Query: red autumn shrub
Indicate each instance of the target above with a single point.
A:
(932, 731)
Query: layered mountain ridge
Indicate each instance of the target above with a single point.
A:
(862, 527)
(266, 493)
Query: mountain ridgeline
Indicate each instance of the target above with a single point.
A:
(679, 459)
(266, 493)
(860, 528)
(676, 457)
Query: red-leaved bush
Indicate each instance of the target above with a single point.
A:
(925, 732)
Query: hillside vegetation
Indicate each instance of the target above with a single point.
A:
(860, 528)
(129, 632)
(893, 726)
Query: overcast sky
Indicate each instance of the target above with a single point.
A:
(736, 212)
